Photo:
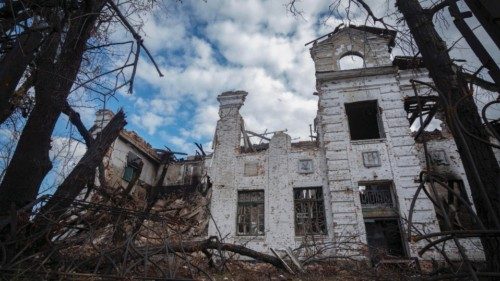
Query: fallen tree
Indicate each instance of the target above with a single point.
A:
(182, 247)
(84, 171)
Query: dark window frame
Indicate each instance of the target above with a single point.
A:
(313, 205)
(356, 133)
(132, 167)
(244, 210)
(460, 218)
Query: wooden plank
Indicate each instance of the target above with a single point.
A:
(294, 259)
(283, 262)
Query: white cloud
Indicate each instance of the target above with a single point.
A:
(257, 46)
(65, 153)
(150, 121)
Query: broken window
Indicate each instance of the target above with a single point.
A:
(429, 106)
(381, 218)
(457, 212)
(351, 61)
(384, 238)
(309, 211)
(250, 217)
(364, 120)
(133, 164)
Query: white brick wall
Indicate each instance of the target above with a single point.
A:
(338, 164)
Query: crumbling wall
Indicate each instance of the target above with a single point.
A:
(371, 47)
(185, 172)
(118, 162)
(223, 164)
(399, 158)
(275, 171)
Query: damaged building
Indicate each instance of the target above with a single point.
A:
(347, 192)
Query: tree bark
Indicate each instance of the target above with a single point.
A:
(12, 67)
(75, 182)
(30, 162)
(481, 167)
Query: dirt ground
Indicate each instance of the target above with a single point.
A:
(318, 272)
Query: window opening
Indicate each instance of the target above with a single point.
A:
(351, 61)
(429, 106)
(250, 217)
(457, 212)
(381, 217)
(384, 238)
(133, 164)
(364, 120)
(309, 211)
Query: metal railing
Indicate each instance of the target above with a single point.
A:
(376, 198)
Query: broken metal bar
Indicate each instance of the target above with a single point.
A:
(294, 259)
(258, 135)
(200, 147)
(465, 258)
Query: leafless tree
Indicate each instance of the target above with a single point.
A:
(57, 48)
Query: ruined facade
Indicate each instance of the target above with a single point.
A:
(347, 192)
(154, 179)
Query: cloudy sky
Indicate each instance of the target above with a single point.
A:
(205, 48)
(208, 48)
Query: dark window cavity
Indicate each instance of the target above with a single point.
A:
(364, 120)
(455, 209)
(309, 211)
(250, 217)
(132, 168)
(384, 238)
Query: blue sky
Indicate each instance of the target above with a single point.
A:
(205, 48)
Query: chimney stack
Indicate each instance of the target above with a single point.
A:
(102, 118)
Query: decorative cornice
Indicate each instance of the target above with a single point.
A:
(328, 76)
(233, 99)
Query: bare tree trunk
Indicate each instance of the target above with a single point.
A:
(75, 182)
(54, 81)
(12, 67)
(483, 172)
